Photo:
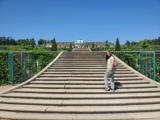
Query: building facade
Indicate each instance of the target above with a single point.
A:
(78, 44)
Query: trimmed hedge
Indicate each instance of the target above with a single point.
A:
(130, 59)
(41, 57)
(3, 68)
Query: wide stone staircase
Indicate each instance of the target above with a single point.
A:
(72, 87)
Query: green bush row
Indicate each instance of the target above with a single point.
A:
(130, 59)
(42, 57)
(3, 68)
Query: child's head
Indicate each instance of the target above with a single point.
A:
(109, 53)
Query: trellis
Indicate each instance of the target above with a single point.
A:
(21, 66)
(147, 64)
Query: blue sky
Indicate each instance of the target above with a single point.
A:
(91, 20)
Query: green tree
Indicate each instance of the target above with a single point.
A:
(144, 43)
(41, 42)
(70, 46)
(133, 43)
(54, 45)
(24, 42)
(92, 45)
(48, 41)
(32, 42)
(117, 46)
(155, 41)
(127, 43)
(107, 44)
(7, 41)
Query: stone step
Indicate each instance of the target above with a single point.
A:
(121, 86)
(77, 65)
(82, 67)
(86, 72)
(86, 102)
(79, 116)
(82, 59)
(76, 55)
(82, 96)
(83, 70)
(89, 79)
(87, 82)
(92, 54)
(82, 56)
(80, 109)
(89, 56)
(86, 75)
(85, 91)
(60, 73)
(83, 64)
(87, 61)
(80, 62)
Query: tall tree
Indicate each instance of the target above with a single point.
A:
(44, 42)
(133, 43)
(117, 46)
(7, 41)
(41, 42)
(92, 45)
(49, 41)
(144, 43)
(32, 42)
(54, 45)
(107, 44)
(24, 42)
(70, 46)
(127, 43)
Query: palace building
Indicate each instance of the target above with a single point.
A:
(80, 43)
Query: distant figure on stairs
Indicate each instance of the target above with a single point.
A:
(109, 73)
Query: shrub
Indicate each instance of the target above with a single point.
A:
(42, 57)
(117, 46)
(130, 59)
(3, 68)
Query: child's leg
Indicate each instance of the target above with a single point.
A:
(106, 80)
(112, 82)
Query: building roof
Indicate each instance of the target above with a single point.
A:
(80, 41)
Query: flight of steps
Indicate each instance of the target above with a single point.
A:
(73, 88)
(81, 50)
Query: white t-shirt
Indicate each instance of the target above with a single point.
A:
(109, 63)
